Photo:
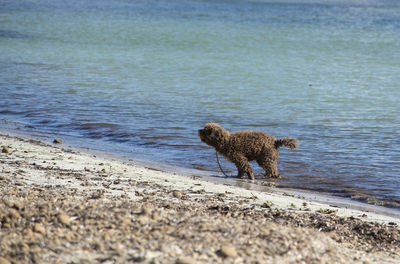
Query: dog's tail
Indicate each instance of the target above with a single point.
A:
(287, 142)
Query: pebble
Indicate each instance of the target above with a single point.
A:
(57, 141)
(177, 194)
(228, 251)
(145, 211)
(155, 215)
(64, 219)
(28, 234)
(334, 236)
(185, 260)
(69, 237)
(267, 204)
(126, 221)
(6, 150)
(36, 258)
(143, 220)
(14, 213)
(4, 261)
(38, 228)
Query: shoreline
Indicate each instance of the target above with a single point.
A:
(145, 196)
(327, 199)
(113, 152)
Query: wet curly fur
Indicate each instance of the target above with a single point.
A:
(244, 146)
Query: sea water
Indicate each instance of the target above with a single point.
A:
(139, 78)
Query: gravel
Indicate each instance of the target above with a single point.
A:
(98, 217)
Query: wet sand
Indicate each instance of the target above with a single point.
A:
(61, 205)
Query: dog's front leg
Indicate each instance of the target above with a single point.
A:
(243, 165)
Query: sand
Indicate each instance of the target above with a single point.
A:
(63, 205)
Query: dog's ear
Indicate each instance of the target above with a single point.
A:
(217, 134)
(213, 134)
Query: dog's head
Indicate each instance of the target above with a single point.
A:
(214, 135)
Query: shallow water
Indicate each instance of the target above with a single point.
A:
(141, 77)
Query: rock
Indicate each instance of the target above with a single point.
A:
(64, 219)
(228, 251)
(24, 247)
(143, 220)
(145, 211)
(334, 236)
(14, 214)
(38, 228)
(56, 242)
(267, 204)
(28, 235)
(4, 261)
(155, 215)
(177, 194)
(57, 141)
(185, 260)
(69, 237)
(126, 221)
(6, 150)
(36, 258)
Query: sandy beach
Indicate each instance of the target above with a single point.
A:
(62, 205)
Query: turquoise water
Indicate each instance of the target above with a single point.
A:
(139, 78)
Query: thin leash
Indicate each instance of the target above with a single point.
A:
(216, 154)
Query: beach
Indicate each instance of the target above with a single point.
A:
(64, 205)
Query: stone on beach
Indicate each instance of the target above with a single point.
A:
(57, 141)
(38, 228)
(64, 219)
(186, 260)
(14, 213)
(4, 261)
(177, 194)
(6, 150)
(228, 251)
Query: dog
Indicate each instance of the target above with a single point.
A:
(244, 146)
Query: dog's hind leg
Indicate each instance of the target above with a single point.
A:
(270, 166)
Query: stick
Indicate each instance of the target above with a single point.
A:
(216, 154)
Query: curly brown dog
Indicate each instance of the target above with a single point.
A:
(244, 146)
